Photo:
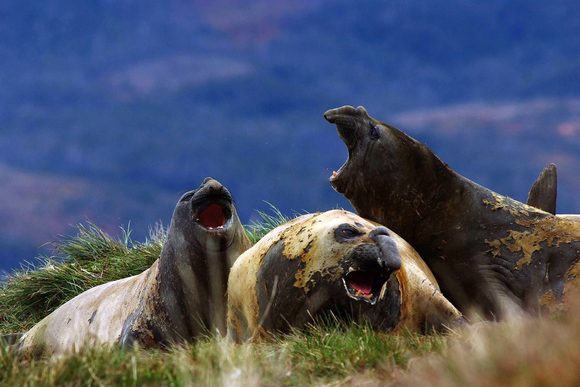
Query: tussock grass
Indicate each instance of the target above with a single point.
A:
(266, 223)
(81, 262)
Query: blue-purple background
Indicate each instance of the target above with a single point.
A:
(109, 110)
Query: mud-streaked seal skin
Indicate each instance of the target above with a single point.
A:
(333, 263)
(180, 297)
(486, 250)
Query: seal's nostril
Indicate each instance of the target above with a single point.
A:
(379, 231)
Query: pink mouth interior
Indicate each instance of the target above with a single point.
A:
(213, 216)
(361, 282)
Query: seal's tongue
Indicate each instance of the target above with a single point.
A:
(212, 216)
(361, 282)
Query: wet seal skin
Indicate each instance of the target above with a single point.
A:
(333, 263)
(487, 251)
(180, 297)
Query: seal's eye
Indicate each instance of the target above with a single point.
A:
(346, 232)
(374, 132)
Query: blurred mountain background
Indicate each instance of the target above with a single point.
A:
(111, 109)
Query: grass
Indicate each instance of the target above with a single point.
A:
(266, 223)
(521, 352)
(319, 355)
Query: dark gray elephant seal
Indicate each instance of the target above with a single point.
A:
(333, 263)
(180, 297)
(486, 250)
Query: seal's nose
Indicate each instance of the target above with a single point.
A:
(210, 184)
(381, 230)
(212, 187)
(333, 115)
(389, 259)
(349, 122)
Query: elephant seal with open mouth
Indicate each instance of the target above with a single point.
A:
(333, 263)
(180, 297)
(487, 251)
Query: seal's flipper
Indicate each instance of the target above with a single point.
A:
(544, 190)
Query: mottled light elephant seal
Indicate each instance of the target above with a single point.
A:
(180, 297)
(333, 263)
(487, 251)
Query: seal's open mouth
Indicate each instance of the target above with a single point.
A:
(335, 174)
(215, 211)
(346, 124)
(213, 216)
(364, 285)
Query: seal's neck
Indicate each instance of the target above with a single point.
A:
(192, 283)
(410, 190)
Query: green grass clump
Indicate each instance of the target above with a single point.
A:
(330, 352)
(265, 224)
(82, 262)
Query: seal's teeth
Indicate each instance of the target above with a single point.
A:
(333, 176)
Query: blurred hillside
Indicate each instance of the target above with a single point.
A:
(109, 110)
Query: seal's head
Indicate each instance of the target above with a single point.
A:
(383, 166)
(333, 263)
(206, 218)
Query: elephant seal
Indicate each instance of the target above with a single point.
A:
(180, 297)
(333, 263)
(487, 251)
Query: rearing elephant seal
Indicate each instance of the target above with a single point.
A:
(181, 296)
(486, 250)
(333, 262)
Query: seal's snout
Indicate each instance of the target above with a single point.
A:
(334, 115)
(370, 265)
(389, 257)
(211, 185)
(378, 232)
(212, 205)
